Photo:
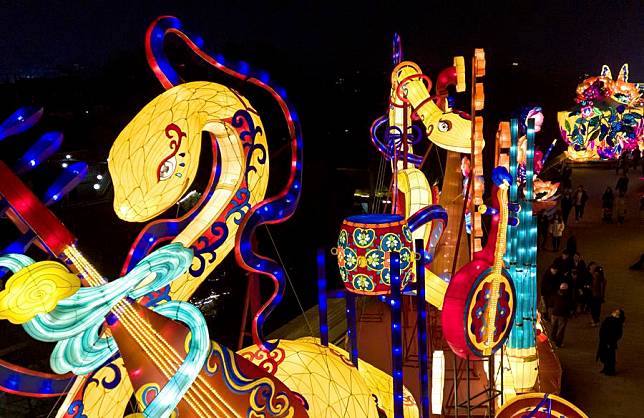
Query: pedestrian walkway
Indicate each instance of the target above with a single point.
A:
(615, 247)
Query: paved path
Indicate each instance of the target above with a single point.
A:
(615, 247)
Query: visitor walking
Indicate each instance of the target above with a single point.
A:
(562, 307)
(566, 176)
(607, 205)
(579, 199)
(578, 263)
(566, 205)
(622, 184)
(609, 334)
(550, 282)
(598, 289)
(564, 262)
(556, 231)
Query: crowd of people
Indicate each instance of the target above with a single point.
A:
(571, 288)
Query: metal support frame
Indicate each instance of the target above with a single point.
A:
(486, 397)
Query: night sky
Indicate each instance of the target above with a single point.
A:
(307, 48)
(551, 38)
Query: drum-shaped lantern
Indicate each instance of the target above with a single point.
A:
(364, 247)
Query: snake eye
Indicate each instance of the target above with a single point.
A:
(166, 169)
(444, 125)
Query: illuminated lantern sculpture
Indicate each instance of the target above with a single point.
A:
(521, 258)
(478, 311)
(411, 190)
(15, 379)
(326, 378)
(539, 405)
(153, 163)
(364, 246)
(607, 120)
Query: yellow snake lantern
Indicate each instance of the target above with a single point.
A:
(445, 128)
(154, 161)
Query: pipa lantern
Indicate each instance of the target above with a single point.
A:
(364, 247)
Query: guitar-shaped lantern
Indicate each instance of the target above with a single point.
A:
(478, 310)
(170, 360)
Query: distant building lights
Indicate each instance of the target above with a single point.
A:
(96, 186)
(68, 156)
(99, 177)
(64, 165)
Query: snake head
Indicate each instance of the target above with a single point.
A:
(154, 159)
(450, 131)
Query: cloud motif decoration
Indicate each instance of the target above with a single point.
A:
(35, 289)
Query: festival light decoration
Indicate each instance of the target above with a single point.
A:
(34, 289)
(446, 129)
(211, 234)
(40, 151)
(542, 190)
(210, 243)
(477, 143)
(326, 378)
(421, 325)
(521, 257)
(479, 304)
(412, 192)
(191, 375)
(15, 379)
(26, 382)
(607, 120)
(20, 120)
(438, 381)
(75, 324)
(71, 177)
(539, 404)
(364, 248)
(395, 301)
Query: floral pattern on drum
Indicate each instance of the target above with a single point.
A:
(364, 246)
